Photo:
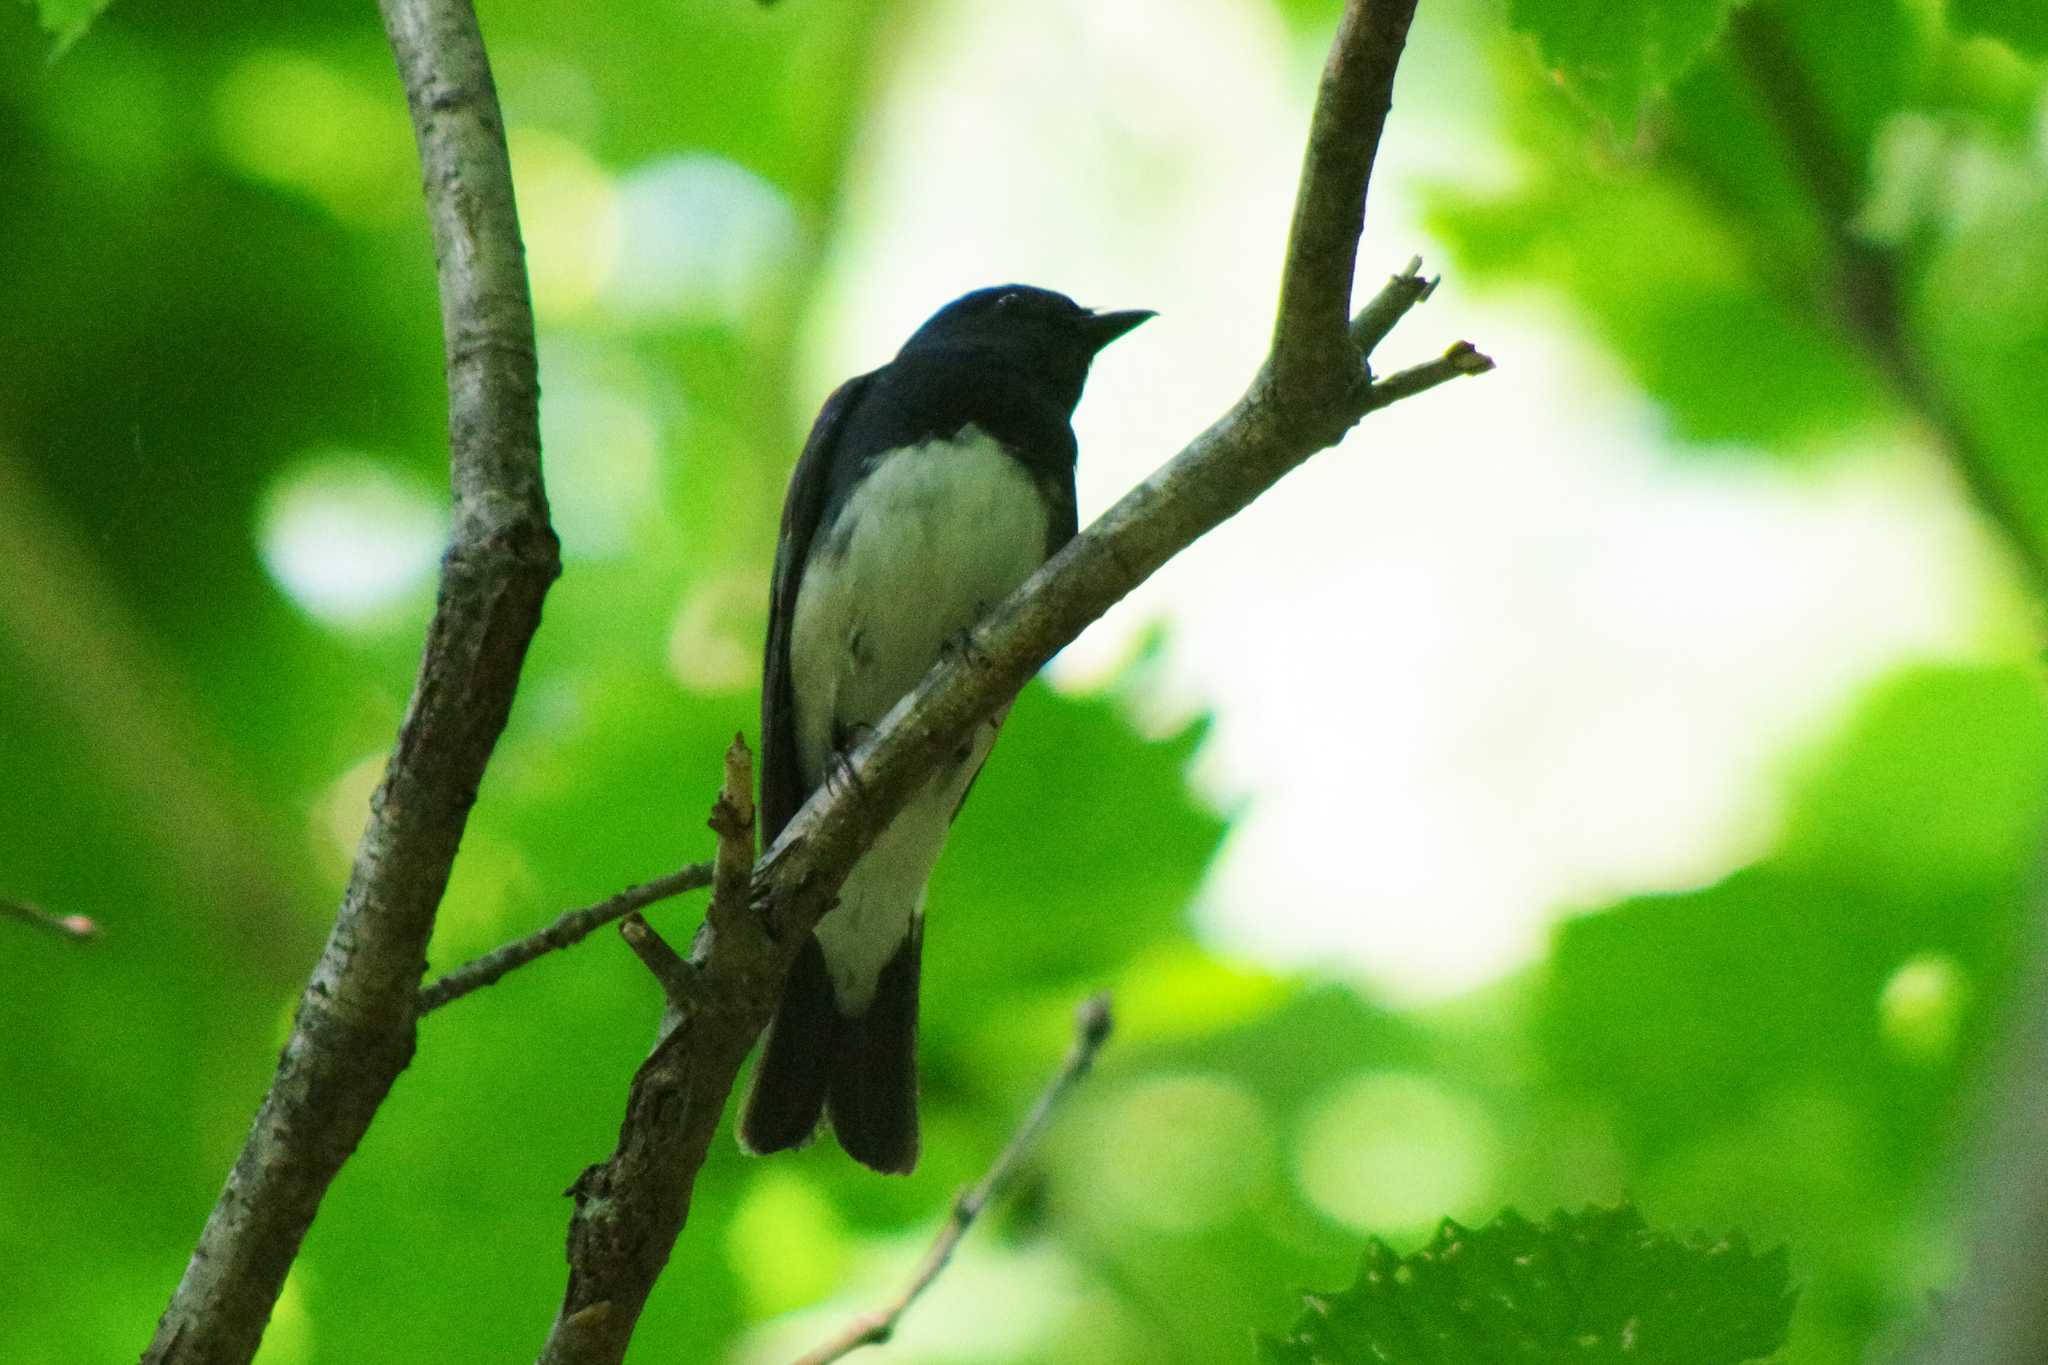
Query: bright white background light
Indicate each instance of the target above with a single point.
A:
(347, 538)
(1505, 652)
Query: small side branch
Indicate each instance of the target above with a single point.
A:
(667, 966)
(1377, 320)
(1463, 359)
(568, 929)
(77, 928)
(1091, 1031)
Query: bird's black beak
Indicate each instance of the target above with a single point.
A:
(1104, 328)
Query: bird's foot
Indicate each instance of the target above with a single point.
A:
(839, 769)
(962, 645)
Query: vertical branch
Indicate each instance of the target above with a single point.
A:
(1313, 362)
(354, 1029)
(1999, 1313)
(1999, 1316)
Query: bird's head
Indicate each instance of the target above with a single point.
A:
(1043, 334)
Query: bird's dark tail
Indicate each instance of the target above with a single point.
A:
(789, 1081)
(873, 1095)
(862, 1068)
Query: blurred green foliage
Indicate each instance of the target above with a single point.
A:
(67, 20)
(1616, 56)
(1591, 1286)
(221, 329)
(1820, 164)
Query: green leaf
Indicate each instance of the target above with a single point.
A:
(1593, 1286)
(1617, 54)
(1790, 1050)
(68, 20)
(1983, 309)
(1908, 840)
(2022, 24)
(1733, 361)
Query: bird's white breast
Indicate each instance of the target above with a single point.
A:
(931, 539)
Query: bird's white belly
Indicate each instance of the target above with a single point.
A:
(926, 544)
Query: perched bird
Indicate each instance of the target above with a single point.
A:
(927, 491)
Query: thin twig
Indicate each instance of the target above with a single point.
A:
(1379, 317)
(568, 929)
(630, 1207)
(1868, 297)
(77, 928)
(1091, 1031)
(1463, 359)
(356, 1024)
(669, 967)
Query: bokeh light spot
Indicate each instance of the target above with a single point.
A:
(569, 216)
(1179, 991)
(603, 453)
(1180, 1153)
(1920, 1010)
(343, 810)
(1387, 1152)
(285, 119)
(289, 1334)
(712, 643)
(786, 1244)
(702, 238)
(347, 538)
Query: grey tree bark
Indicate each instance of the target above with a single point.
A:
(354, 1030)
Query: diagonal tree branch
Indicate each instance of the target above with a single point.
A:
(630, 1208)
(1091, 1031)
(354, 1030)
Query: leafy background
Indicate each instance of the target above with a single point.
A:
(220, 463)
